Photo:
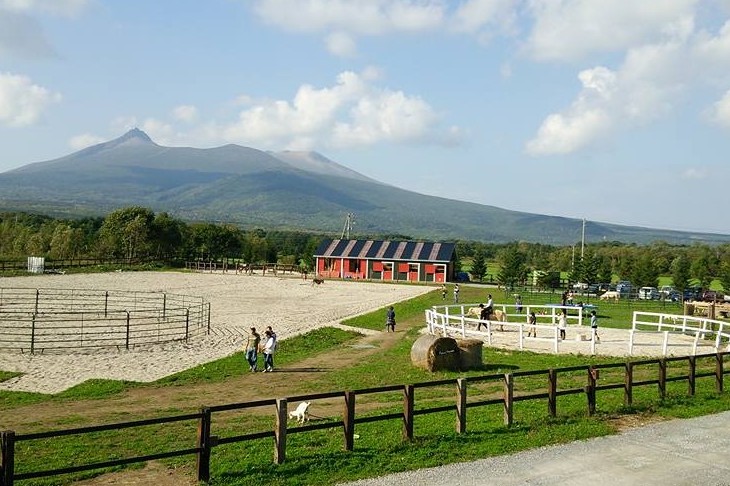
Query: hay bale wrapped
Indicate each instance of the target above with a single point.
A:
(470, 353)
(435, 353)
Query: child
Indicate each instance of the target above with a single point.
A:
(594, 325)
(390, 320)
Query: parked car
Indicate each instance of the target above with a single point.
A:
(712, 296)
(648, 293)
(623, 287)
(691, 293)
(667, 292)
(461, 277)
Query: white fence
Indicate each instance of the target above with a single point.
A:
(455, 319)
(674, 334)
(675, 330)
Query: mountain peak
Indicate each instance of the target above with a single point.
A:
(134, 134)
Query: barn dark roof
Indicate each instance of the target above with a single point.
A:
(386, 250)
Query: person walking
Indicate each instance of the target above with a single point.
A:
(518, 304)
(443, 292)
(252, 349)
(268, 350)
(594, 325)
(390, 319)
(456, 293)
(532, 323)
(562, 324)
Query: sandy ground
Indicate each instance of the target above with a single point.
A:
(290, 305)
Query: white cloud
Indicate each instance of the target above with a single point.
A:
(84, 140)
(56, 7)
(341, 44)
(22, 102)
(651, 82)
(354, 111)
(385, 116)
(472, 16)
(185, 113)
(362, 17)
(343, 21)
(587, 118)
(720, 111)
(568, 30)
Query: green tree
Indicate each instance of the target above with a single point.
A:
(724, 276)
(513, 269)
(680, 268)
(478, 265)
(125, 233)
(700, 270)
(605, 274)
(644, 272)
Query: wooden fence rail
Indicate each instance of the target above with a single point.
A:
(507, 399)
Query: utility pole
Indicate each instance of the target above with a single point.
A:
(583, 239)
(349, 221)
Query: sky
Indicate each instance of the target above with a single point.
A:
(613, 111)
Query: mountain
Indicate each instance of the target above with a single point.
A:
(285, 190)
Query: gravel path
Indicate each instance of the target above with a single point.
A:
(675, 453)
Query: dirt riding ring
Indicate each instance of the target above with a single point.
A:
(44, 320)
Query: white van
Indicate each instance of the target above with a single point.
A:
(648, 293)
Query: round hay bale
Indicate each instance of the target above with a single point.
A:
(435, 353)
(470, 353)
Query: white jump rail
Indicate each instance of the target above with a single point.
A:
(673, 326)
(453, 319)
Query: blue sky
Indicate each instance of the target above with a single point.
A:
(615, 111)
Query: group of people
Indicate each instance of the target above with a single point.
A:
(562, 324)
(266, 345)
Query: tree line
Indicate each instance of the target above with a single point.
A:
(139, 233)
(688, 265)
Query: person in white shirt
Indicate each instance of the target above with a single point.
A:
(268, 350)
(562, 323)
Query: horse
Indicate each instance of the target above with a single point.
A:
(610, 295)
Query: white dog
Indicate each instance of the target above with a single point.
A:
(301, 413)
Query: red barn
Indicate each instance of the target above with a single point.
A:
(408, 261)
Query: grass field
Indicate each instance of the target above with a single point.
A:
(318, 457)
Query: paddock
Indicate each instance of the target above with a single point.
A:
(651, 333)
(64, 320)
(237, 303)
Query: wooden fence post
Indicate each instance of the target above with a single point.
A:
(509, 389)
(280, 431)
(349, 420)
(629, 384)
(692, 376)
(662, 378)
(591, 391)
(718, 372)
(552, 393)
(460, 406)
(203, 458)
(408, 412)
(7, 457)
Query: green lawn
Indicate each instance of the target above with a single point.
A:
(318, 457)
